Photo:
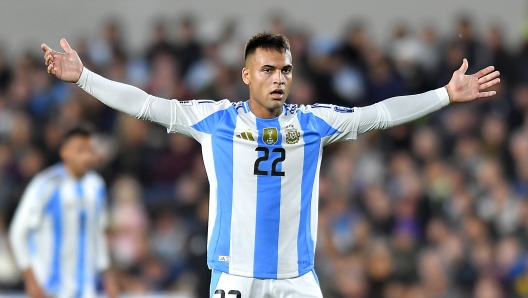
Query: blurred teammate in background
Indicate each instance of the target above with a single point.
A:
(58, 232)
(262, 158)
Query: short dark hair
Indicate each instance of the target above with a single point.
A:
(82, 131)
(266, 41)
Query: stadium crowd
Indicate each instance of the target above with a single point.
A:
(436, 208)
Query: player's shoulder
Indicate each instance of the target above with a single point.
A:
(53, 173)
(325, 107)
(95, 178)
(205, 103)
(49, 177)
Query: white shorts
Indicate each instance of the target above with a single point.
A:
(225, 285)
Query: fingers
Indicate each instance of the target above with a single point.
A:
(66, 46)
(486, 94)
(44, 47)
(489, 77)
(489, 84)
(488, 81)
(49, 57)
(48, 53)
(51, 68)
(484, 71)
(463, 68)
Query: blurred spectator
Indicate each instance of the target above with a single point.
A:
(110, 46)
(5, 72)
(409, 54)
(470, 45)
(187, 49)
(160, 44)
(500, 57)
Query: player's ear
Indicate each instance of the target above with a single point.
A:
(63, 152)
(245, 75)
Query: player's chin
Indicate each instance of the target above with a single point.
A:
(277, 102)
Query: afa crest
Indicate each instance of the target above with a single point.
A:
(292, 135)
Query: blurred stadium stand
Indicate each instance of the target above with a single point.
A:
(434, 208)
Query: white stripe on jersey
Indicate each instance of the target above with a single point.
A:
(315, 199)
(244, 207)
(290, 209)
(44, 252)
(70, 239)
(207, 155)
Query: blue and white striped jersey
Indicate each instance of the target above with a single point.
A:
(264, 182)
(263, 173)
(59, 231)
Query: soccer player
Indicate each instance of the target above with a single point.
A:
(58, 231)
(262, 158)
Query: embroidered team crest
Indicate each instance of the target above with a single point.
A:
(270, 136)
(292, 135)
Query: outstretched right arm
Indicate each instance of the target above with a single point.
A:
(125, 98)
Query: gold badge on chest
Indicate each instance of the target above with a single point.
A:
(270, 136)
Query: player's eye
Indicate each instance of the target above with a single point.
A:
(266, 70)
(286, 70)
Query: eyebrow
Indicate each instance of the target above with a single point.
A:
(274, 67)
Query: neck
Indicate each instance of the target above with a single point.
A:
(263, 112)
(72, 173)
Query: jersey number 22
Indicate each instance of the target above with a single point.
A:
(266, 156)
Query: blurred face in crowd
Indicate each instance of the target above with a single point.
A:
(78, 155)
(268, 73)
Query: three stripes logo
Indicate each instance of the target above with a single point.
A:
(247, 135)
(224, 258)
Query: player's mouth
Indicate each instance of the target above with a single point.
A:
(277, 94)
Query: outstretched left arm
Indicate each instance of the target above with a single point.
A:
(398, 110)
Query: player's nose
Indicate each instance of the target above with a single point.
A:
(279, 77)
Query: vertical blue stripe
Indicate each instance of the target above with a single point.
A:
(223, 125)
(81, 261)
(312, 145)
(101, 200)
(32, 247)
(215, 278)
(268, 206)
(55, 209)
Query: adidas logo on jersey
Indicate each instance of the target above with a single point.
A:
(247, 135)
(224, 258)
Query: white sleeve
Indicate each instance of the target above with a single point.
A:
(398, 110)
(194, 118)
(342, 123)
(27, 217)
(125, 98)
(176, 116)
(335, 123)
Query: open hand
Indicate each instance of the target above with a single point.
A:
(65, 66)
(464, 87)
